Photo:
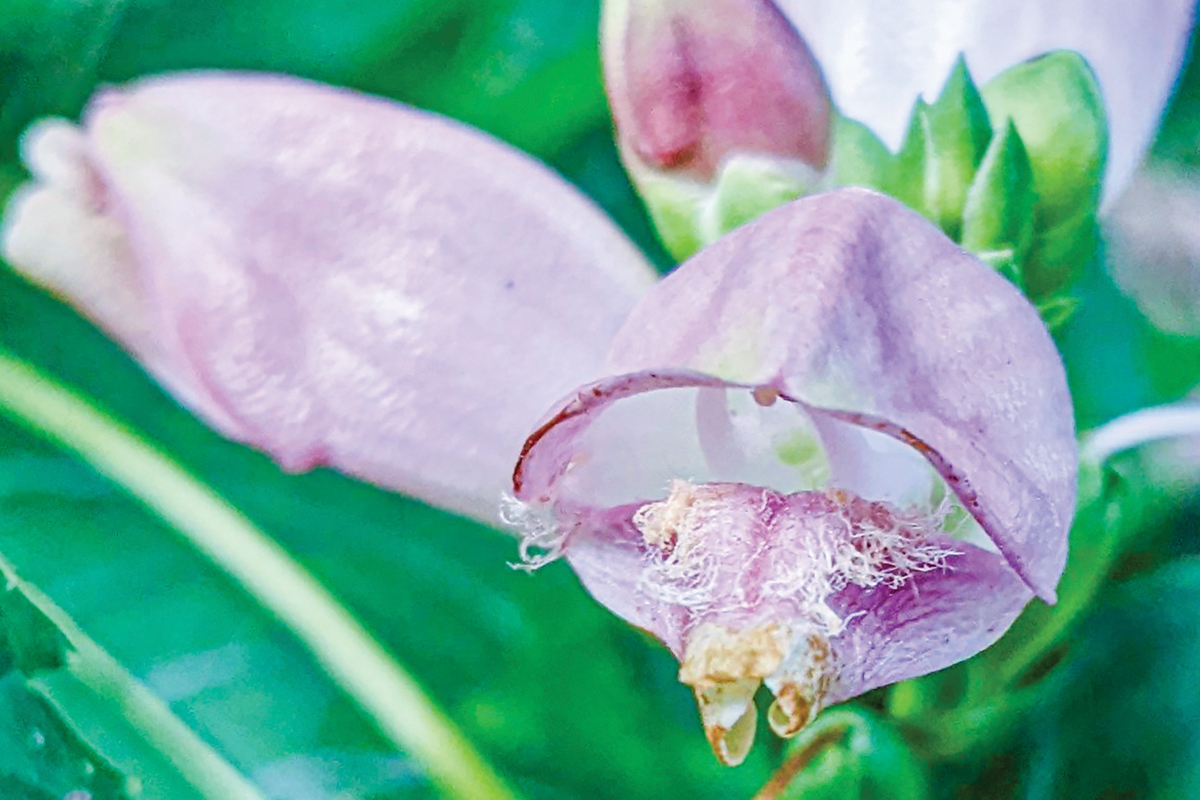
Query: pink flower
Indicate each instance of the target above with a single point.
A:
(834, 452)
(830, 452)
(695, 82)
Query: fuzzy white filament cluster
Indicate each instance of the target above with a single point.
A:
(733, 548)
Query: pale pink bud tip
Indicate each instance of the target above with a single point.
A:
(693, 81)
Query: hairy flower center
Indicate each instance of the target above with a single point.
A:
(742, 583)
(754, 571)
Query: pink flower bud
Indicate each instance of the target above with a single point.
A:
(692, 82)
(326, 275)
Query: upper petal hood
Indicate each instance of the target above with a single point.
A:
(862, 310)
(879, 55)
(333, 278)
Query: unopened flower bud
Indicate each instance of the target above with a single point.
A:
(713, 98)
(322, 274)
(1055, 104)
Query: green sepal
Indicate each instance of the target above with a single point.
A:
(997, 218)
(1059, 253)
(858, 158)
(1005, 262)
(958, 136)
(906, 176)
(689, 215)
(752, 185)
(942, 149)
(1055, 104)
(851, 753)
(674, 206)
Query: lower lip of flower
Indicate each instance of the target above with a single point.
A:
(748, 578)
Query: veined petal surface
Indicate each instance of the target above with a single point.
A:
(863, 311)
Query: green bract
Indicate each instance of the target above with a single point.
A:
(1055, 104)
(997, 217)
(941, 152)
(1012, 172)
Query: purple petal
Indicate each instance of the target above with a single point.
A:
(865, 443)
(879, 55)
(937, 619)
(853, 304)
(338, 279)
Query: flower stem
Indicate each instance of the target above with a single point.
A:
(348, 653)
(796, 762)
(1142, 427)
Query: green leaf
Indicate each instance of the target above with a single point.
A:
(1057, 108)
(998, 213)
(40, 757)
(1123, 717)
(527, 71)
(524, 70)
(59, 684)
(50, 59)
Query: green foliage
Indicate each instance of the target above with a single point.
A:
(40, 756)
(1122, 718)
(73, 720)
(524, 70)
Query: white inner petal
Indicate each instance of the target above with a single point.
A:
(639, 445)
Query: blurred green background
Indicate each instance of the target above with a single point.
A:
(565, 700)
